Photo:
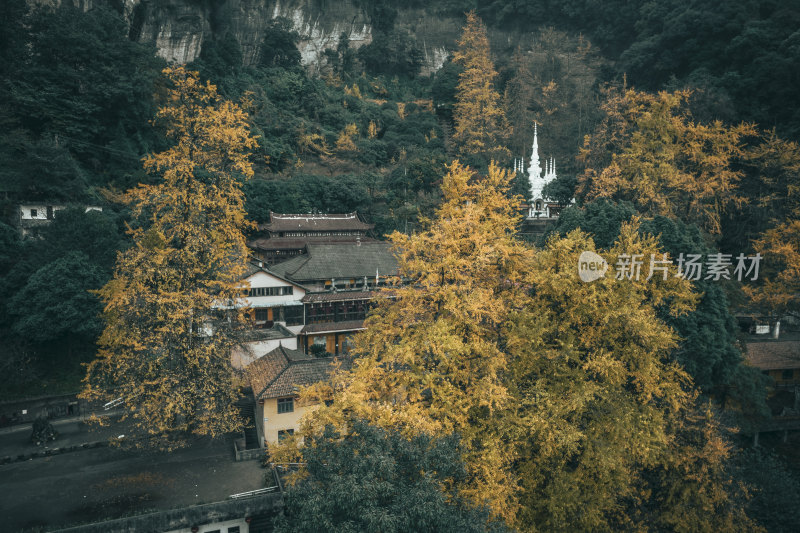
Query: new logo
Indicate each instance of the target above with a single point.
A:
(591, 266)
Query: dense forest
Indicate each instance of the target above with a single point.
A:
(709, 92)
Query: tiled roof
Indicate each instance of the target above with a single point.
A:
(296, 243)
(774, 355)
(340, 261)
(276, 332)
(280, 371)
(315, 222)
(330, 327)
(298, 374)
(343, 296)
(254, 268)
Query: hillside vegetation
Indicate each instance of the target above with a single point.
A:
(674, 125)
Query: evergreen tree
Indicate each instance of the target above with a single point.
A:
(279, 48)
(393, 53)
(376, 480)
(173, 308)
(65, 310)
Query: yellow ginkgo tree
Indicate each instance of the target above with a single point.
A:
(481, 128)
(570, 413)
(777, 163)
(432, 359)
(172, 309)
(650, 151)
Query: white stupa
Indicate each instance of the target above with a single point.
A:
(539, 206)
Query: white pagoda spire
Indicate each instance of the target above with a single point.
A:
(535, 169)
(539, 205)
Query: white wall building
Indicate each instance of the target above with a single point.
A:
(279, 314)
(33, 215)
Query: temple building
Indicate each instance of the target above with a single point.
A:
(317, 301)
(341, 280)
(287, 235)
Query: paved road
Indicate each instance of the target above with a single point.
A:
(71, 432)
(99, 483)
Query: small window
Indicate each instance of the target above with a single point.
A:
(283, 433)
(285, 405)
(34, 213)
(234, 529)
(787, 375)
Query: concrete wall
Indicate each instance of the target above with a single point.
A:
(41, 211)
(262, 505)
(222, 527)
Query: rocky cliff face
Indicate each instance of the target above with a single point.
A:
(179, 27)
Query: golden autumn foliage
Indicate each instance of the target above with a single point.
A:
(372, 129)
(605, 420)
(433, 360)
(780, 248)
(778, 165)
(481, 127)
(344, 143)
(661, 160)
(171, 318)
(355, 91)
(311, 143)
(571, 415)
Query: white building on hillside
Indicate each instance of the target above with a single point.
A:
(539, 206)
(34, 215)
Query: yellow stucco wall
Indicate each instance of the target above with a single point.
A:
(272, 421)
(779, 378)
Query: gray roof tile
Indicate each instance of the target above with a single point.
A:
(774, 355)
(340, 261)
(315, 222)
